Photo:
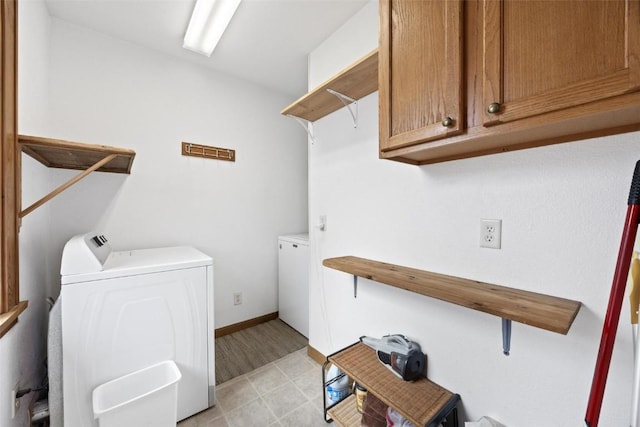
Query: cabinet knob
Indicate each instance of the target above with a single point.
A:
(448, 121)
(494, 108)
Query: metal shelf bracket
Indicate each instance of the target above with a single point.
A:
(506, 336)
(355, 286)
(506, 323)
(348, 102)
(307, 126)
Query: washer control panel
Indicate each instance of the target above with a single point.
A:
(85, 253)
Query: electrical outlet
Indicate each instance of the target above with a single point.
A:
(15, 403)
(490, 233)
(237, 298)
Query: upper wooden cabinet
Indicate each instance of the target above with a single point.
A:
(542, 56)
(533, 73)
(420, 71)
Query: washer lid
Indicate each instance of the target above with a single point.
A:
(143, 261)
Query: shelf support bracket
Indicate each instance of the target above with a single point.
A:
(506, 336)
(355, 286)
(305, 125)
(348, 102)
(66, 185)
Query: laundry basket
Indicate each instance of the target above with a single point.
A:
(147, 397)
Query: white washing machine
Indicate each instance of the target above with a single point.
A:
(123, 311)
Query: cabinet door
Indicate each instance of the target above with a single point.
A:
(544, 56)
(420, 66)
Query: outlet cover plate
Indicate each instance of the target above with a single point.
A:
(491, 233)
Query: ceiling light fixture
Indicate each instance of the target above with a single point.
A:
(209, 20)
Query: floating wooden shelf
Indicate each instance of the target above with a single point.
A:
(422, 401)
(534, 309)
(356, 81)
(56, 153)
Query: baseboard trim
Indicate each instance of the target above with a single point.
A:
(226, 330)
(316, 355)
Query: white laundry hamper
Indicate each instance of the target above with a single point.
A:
(148, 397)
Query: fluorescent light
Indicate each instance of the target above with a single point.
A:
(209, 20)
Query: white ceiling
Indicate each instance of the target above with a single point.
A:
(267, 41)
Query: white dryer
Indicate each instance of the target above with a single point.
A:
(123, 311)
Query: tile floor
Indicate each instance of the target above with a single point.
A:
(284, 393)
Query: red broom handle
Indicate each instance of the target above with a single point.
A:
(616, 297)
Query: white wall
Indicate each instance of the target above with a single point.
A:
(105, 91)
(23, 348)
(79, 85)
(562, 209)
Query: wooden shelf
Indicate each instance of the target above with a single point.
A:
(10, 318)
(534, 309)
(57, 153)
(356, 81)
(422, 401)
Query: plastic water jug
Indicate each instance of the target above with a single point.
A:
(339, 389)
